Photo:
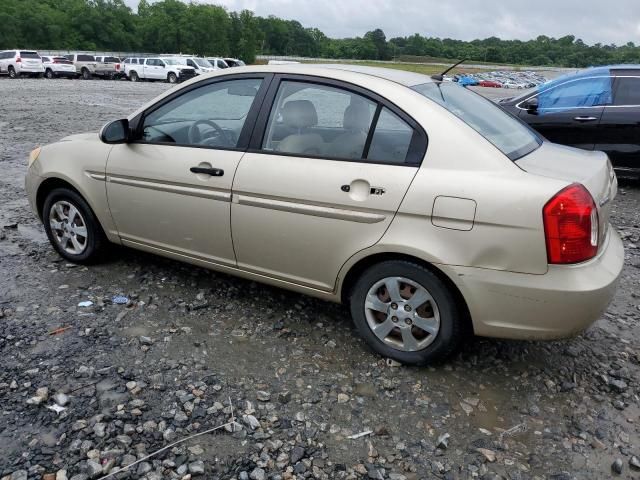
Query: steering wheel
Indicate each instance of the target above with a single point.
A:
(195, 137)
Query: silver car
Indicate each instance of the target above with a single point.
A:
(424, 207)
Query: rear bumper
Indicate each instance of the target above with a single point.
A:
(31, 70)
(561, 303)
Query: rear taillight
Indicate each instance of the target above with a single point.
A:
(571, 226)
(18, 60)
(117, 66)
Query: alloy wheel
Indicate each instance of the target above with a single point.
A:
(402, 314)
(68, 227)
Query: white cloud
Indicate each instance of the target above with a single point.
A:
(613, 21)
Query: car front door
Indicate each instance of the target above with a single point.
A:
(569, 113)
(620, 124)
(328, 167)
(152, 69)
(169, 190)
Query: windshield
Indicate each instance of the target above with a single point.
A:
(508, 134)
(170, 61)
(202, 63)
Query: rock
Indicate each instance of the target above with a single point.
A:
(617, 466)
(443, 441)
(196, 468)
(258, 474)
(196, 450)
(61, 475)
(19, 475)
(251, 421)
(147, 341)
(397, 476)
(343, 398)
(61, 399)
(634, 463)
(99, 429)
(94, 469)
(297, 453)
(618, 385)
(263, 396)
(41, 396)
(143, 468)
(490, 455)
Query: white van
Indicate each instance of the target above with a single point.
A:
(21, 62)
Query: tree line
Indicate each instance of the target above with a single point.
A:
(171, 26)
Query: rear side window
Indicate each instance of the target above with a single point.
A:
(86, 58)
(627, 91)
(585, 92)
(29, 55)
(391, 139)
(222, 64)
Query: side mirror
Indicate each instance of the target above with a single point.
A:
(115, 132)
(531, 105)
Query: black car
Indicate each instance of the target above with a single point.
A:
(596, 109)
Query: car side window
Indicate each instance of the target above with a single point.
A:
(586, 92)
(317, 120)
(627, 91)
(391, 139)
(212, 115)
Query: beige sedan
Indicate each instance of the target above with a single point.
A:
(426, 208)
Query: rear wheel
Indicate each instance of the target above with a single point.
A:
(49, 74)
(133, 76)
(72, 228)
(172, 78)
(86, 74)
(405, 312)
(12, 72)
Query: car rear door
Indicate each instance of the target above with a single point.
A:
(569, 113)
(169, 189)
(620, 123)
(328, 167)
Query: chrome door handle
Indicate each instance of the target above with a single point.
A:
(585, 119)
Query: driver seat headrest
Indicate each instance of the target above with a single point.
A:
(299, 114)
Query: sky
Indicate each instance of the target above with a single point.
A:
(611, 21)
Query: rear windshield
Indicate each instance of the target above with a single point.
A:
(29, 55)
(61, 60)
(111, 60)
(508, 134)
(86, 58)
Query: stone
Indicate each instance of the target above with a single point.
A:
(343, 398)
(443, 441)
(147, 341)
(61, 475)
(61, 399)
(251, 421)
(617, 466)
(19, 475)
(196, 468)
(94, 469)
(297, 453)
(258, 474)
(263, 396)
(634, 463)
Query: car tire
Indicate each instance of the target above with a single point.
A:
(49, 73)
(401, 319)
(79, 239)
(172, 78)
(133, 76)
(85, 73)
(12, 72)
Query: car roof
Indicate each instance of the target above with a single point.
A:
(402, 77)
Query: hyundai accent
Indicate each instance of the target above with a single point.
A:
(424, 207)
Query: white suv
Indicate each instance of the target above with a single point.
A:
(167, 69)
(200, 65)
(21, 62)
(58, 67)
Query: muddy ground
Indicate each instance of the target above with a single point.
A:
(193, 349)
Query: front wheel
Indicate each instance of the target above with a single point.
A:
(86, 74)
(405, 312)
(133, 76)
(72, 228)
(172, 78)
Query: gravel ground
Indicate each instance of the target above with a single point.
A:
(85, 390)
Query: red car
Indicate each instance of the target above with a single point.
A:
(490, 83)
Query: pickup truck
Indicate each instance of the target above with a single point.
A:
(87, 66)
(110, 66)
(156, 68)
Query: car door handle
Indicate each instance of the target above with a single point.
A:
(214, 172)
(585, 119)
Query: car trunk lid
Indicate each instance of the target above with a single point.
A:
(591, 169)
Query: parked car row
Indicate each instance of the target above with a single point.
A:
(170, 68)
(501, 79)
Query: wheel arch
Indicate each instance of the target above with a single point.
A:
(354, 271)
(50, 184)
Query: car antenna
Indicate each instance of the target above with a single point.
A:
(440, 76)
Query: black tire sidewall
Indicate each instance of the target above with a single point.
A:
(451, 324)
(85, 74)
(12, 72)
(49, 74)
(95, 236)
(172, 78)
(133, 76)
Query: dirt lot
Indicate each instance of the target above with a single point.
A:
(193, 348)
